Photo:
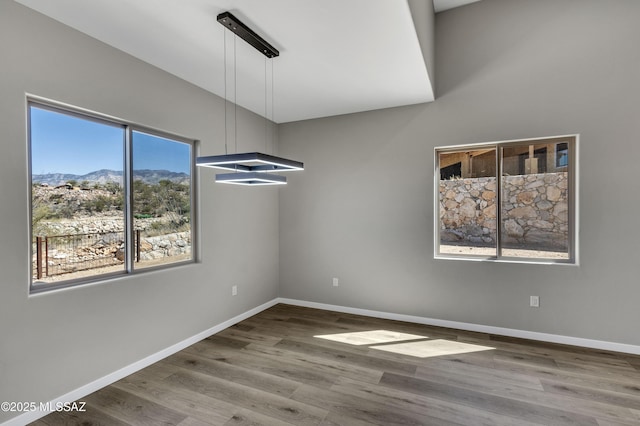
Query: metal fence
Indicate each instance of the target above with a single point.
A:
(62, 254)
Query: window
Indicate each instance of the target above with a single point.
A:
(161, 200)
(508, 200)
(107, 197)
(562, 155)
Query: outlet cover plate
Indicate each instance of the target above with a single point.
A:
(534, 301)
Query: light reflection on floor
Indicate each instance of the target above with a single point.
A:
(431, 348)
(370, 337)
(403, 343)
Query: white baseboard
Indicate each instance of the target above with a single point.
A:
(85, 390)
(523, 334)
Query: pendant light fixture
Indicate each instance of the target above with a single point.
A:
(250, 168)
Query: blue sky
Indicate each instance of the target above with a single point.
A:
(62, 143)
(155, 153)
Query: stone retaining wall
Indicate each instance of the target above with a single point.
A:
(535, 211)
(95, 225)
(468, 211)
(165, 245)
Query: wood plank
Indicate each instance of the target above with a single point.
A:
(227, 342)
(320, 366)
(245, 417)
(602, 422)
(602, 376)
(362, 409)
(633, 360)
(93, 416)
(504, 406)
(130, 408)
(346, 356)
(470, 378)
(190, 421)
(590, 393)
(600, 370)
(250, 336)
(334, 419)
(478, 372)
(262, 361)
(591, 407)
(157, 371)
(236, 374)
(433, 407)
(193, 404)
(523, 359)
(245, 397)
(241, 327)
(286, 329)
(559, 347)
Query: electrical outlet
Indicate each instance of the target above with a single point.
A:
(336, 282)
(234, 290)
(534, 301)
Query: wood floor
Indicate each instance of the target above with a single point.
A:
(275, 369)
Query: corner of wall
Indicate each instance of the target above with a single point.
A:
(423, 15)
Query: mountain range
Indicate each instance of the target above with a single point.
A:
(103, 176)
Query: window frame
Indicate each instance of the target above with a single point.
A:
(572, 199)
(128, 194)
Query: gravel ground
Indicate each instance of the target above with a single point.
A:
(489, 251)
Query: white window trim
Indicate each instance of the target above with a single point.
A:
(573, 217)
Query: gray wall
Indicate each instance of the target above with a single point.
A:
(505, 69)
(51, 344)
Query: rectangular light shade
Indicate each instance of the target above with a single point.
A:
(251, 179)
(250, 162)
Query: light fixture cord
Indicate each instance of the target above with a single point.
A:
(235, 93)
(225, 93)
(273, 111)
(266, 133)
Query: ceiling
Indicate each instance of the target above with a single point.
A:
(336, 56)
(442, 5)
